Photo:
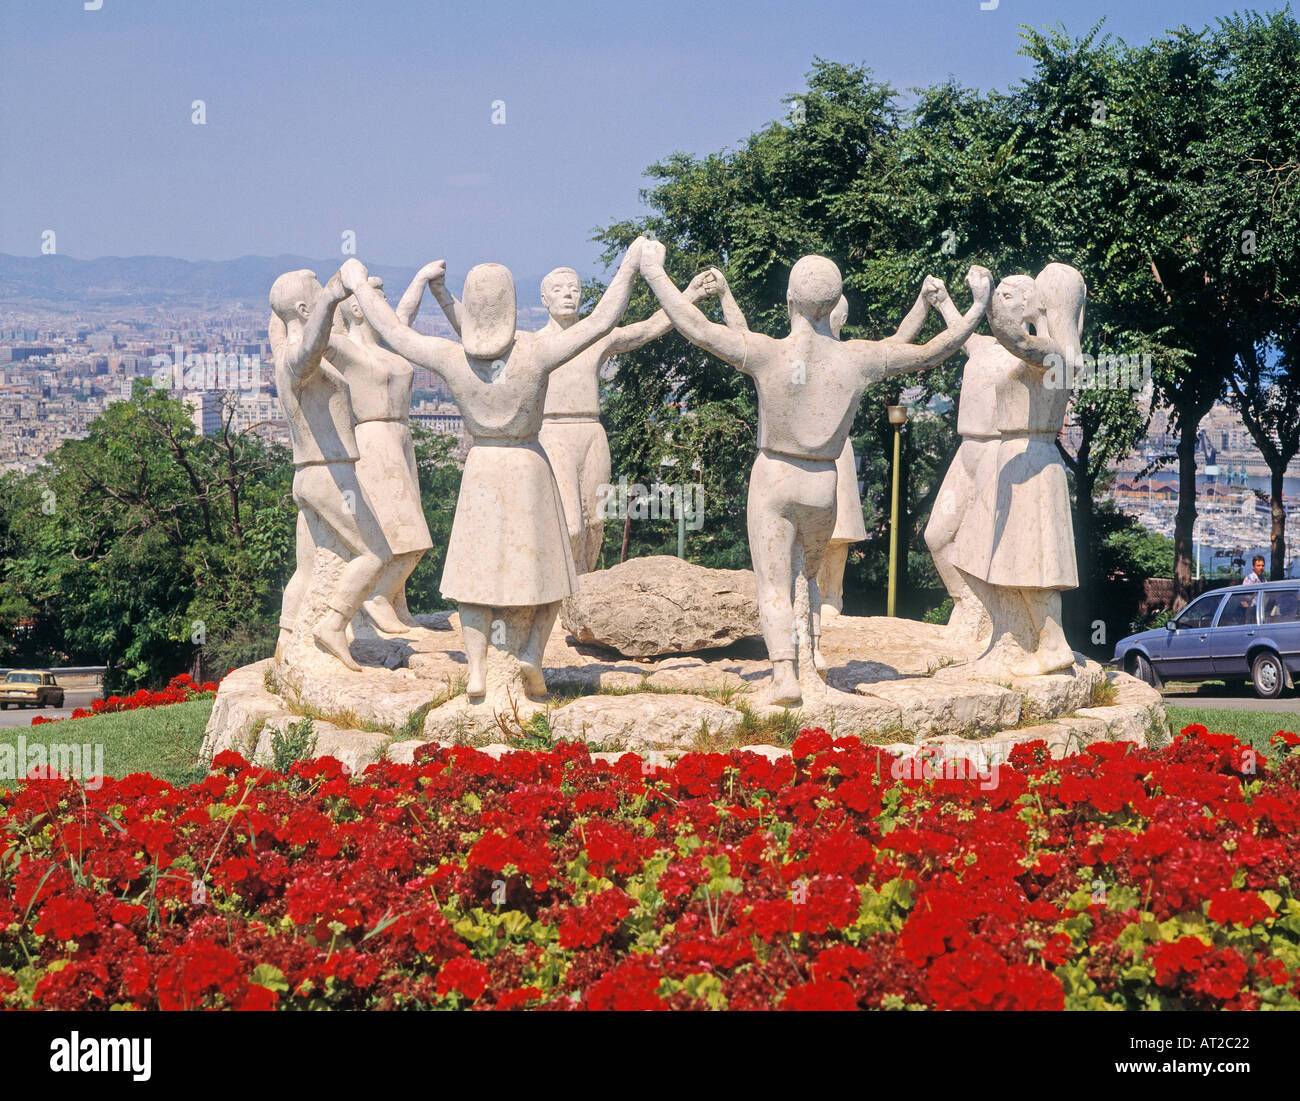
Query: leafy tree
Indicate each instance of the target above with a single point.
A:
(1202, 151)
(154, 548)
(439, 475)
(1256, 193)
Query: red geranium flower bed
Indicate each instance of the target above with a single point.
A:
(180, 689)
(1117, 878)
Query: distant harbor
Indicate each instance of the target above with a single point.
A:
(1234, 520)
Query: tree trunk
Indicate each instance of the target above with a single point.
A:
(1085, 483)
(1277, 542)
(1186, 517)
(1085, 601)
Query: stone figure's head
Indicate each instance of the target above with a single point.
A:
(1016, 302)
(1050, 308)
(489, 313)
(1064, 296)
(350, 309)
(562, 293)
(839, 315)
(815, 287)
(294, 294)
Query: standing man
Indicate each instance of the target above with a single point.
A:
(849, 526)
(1258, 571)
(572, 436)
(809, 385)
(332, 508)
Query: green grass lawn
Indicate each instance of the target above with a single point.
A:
(164, 741)
(1255, 727)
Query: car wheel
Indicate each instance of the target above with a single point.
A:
(1143, 671)
(1267, 675)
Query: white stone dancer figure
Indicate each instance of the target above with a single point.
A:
(572, 435)
(1017, 538)
(809, 385)
(849, 525)
(380, 384)
(973, 466)
(332, 508)
(509, 548)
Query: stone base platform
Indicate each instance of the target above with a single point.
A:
(890, 681)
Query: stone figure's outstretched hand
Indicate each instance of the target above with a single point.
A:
(653, 254)
(980, 281)
(353, 274)
(704, 285)
(635, 252)
(934, 291)
(434, 273)
(335, 288)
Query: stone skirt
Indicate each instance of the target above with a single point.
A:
(509, 545)
(1018, 531)
(849, 525)
(387, 474)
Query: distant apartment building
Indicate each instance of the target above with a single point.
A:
(444, 419)
(205, 411)
(13, 353)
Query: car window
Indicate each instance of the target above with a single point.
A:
(1282, 606)
(1240, 608)
(24, 678)
(1200, 612)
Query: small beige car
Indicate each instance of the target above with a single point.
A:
(30, 689)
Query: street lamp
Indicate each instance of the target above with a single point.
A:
(898, 418)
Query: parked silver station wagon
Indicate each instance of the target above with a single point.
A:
(1245, 632)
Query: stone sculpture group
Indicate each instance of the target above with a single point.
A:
(528, 520)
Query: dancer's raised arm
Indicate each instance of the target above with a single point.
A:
(306, 357)
(899, 359)
(409, 305)
(732, 314)
(627, 338)
(558, 347)
(451, 307)
(725, 343)
(443, 357)
(910, 327)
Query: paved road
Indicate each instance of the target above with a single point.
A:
(1220, 697)
(72, 698)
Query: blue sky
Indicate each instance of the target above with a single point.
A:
(330, 115)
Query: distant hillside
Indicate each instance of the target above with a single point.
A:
(163, 280)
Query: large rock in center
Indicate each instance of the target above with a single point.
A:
(662, 605)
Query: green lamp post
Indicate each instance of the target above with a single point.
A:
(898, 418)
